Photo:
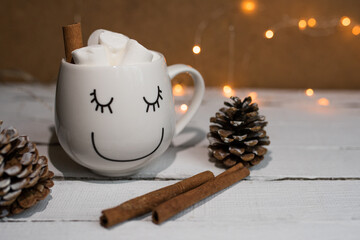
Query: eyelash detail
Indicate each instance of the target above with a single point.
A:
(102, 106)
(156, 103)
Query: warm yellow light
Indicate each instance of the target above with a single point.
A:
(356, 30)
(311, 22)
(323, 102)
(183, 107)
(345, 21)
(309, 92)
(302, 24)
(248, 6)
(253, 95)
(269, 34)
(196, 49)
(178, 90)
(227, 89)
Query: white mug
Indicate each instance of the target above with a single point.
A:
(115, 119)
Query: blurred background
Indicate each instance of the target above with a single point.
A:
(241, 43)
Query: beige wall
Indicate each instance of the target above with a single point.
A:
(31, 38)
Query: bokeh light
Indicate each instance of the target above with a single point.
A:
(356, 30)
(302, 24)
(178, 90)
(248, 6)
(345, 21)
(196, 49)
(269, 34)
(311, 22)
(323, 102)
(183, 107)
(228, 91)
(309, 92)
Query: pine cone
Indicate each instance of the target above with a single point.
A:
(24, 175)
(238, 135)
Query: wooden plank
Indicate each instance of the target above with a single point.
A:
(183, 230)
(299, 122)
(293, 118)
(30, 109)
(178, 163)
(247, 201)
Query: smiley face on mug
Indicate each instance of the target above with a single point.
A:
(150, 107)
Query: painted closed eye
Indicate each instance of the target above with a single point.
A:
(155, 103)
(99, 105)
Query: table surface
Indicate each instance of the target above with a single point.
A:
(308, 185)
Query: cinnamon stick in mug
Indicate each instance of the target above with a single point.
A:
(72, 39)
(177, 204)
(146, 203)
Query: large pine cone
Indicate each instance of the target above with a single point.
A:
(24, 175)
(238, 135)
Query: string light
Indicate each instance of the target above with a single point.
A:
(323, 28)
(269, 34)
(228, 91)
(345, 21)
(356, 30)
(178, 90)
(311, 22)
(183, 107)
(196, 49)
(323, 102)
(309, 92)
(302, 24)
(248, 6)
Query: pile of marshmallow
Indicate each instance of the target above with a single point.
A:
(106, 48)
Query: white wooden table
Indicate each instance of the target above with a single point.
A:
(307, 187)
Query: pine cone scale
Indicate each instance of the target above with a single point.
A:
(5, 203)
(12, 195)
(236, 151)
(27, 158)
(12, 167)
(247, 157)
(20, 184)
(4, 190)
(4, 182)
(25, 172)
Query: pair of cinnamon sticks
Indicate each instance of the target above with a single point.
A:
(171, 200)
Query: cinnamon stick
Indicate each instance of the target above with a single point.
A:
(72, 39)
(146, 203)
(175, 205)
(238, 166)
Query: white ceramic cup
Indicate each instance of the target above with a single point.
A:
(115, 119)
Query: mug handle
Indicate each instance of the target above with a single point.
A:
(199, 88)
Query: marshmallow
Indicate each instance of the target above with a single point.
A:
(94, 38)
(135, 53)
(115, 44)
(91, 55)
(119, 49)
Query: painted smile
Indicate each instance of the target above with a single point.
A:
(125, 160)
